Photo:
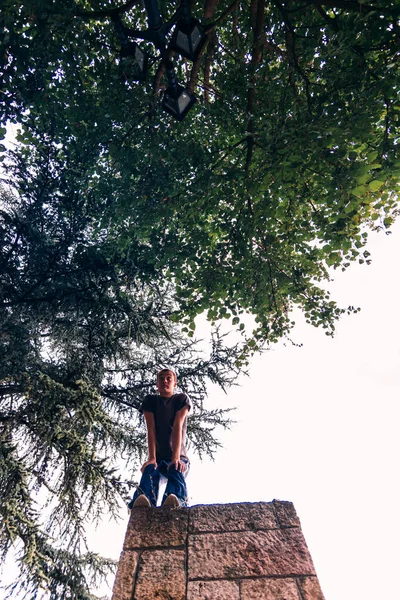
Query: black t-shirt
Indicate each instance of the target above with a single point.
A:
(164, 410)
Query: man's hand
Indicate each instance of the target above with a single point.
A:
(176, 439)
(151, 461)
(178, 464)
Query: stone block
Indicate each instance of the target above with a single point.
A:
(286, 513)
(161, 575)
(213, 590)
(154, 527)
(232, 517)
(123, 585)
(269, 589)
(310, 588)
(248, 554)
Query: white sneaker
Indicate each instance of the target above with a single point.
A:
(141, 500)
(172, 501)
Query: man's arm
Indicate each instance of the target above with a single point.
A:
(151, 439)
(176, 439)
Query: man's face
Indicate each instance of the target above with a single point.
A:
(166, 382)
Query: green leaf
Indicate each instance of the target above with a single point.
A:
(375, 185)
(359, 191)
(372, 155)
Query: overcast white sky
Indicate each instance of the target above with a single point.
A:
(319, 426)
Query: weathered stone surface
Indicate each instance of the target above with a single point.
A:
(161, 575)
(123, 585)
(286, 514)
(232, 517)
(269, 589)
(213, 590)
(152, 527)
(310, 588)
(248, 551)
(246, 554)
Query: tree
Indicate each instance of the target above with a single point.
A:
(290, 153)
(82, 338)
(120, 226)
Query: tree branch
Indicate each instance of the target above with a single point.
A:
(331, 22)
(209, 8)
(207, 67)
(229, 150)
(257, 10)
(223, 16)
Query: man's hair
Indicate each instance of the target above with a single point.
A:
(164, 369)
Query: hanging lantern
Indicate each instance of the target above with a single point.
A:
(133, 62)
(188, 39)
(177, 101)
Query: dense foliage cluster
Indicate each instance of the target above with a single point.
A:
(119, 226)
(290, 151)
(81, 340)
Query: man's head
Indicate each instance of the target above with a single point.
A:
(166, 382)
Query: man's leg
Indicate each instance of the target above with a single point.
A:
(148, 486)
(176, 484)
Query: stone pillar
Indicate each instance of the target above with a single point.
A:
(250, 551)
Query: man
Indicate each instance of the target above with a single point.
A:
(165, 415)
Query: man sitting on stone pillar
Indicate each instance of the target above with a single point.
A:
(165, 415)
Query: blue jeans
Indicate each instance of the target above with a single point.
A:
(150, 481)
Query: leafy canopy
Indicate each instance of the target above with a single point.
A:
(290, 152)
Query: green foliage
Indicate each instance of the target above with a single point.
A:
(273, 177)
(123, 226)
(83, 335)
